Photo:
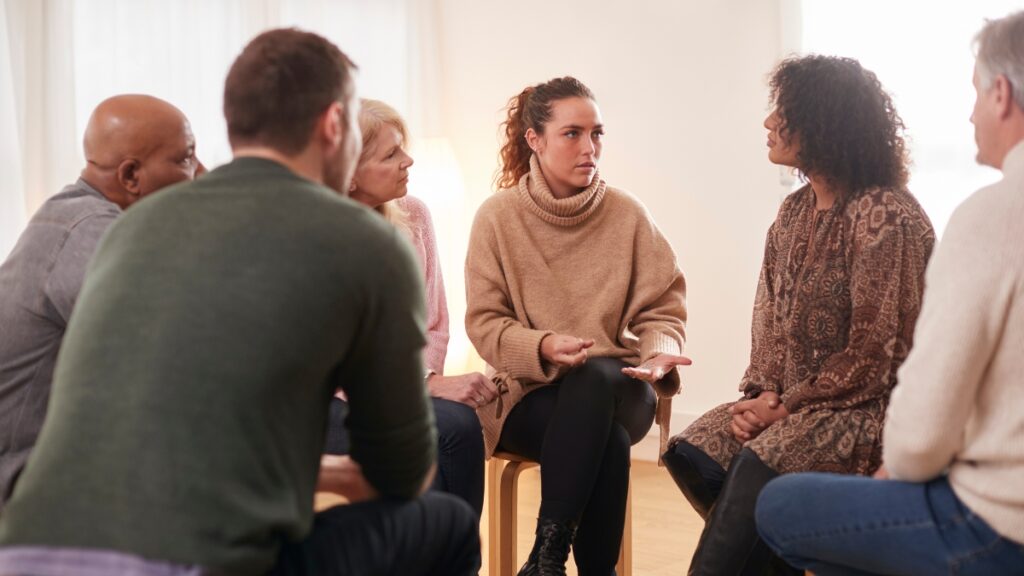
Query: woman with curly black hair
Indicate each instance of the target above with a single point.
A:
(839, 292)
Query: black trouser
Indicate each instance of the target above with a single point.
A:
(460, 448)
(580, 431)
(435, 534)
(698, 475)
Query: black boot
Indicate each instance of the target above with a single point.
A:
(550, 548)
(729, 545)
(688, 478)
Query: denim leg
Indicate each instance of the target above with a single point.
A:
(834, 524)
(460, 453)
(430, 535)
(337, 441)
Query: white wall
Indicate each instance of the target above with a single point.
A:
(682, 91)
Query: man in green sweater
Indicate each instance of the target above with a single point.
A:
(216, 322)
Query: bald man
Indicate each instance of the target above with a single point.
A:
(134, 145)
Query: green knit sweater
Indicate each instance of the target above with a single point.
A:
(190, 399)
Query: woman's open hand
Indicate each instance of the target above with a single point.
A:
(656, 368)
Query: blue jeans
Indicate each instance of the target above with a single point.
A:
(460, 448)
(833, 524)
(460, 453)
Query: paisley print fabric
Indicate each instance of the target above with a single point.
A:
(838, 295)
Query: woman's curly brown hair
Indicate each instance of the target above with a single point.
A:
(848, 128)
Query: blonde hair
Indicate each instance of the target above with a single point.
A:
(374, 115)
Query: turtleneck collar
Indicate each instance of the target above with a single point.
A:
(533, 191)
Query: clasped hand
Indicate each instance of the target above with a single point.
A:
(753, 416)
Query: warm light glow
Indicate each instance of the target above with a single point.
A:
(436, 179)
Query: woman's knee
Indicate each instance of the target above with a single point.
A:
(636, 408)
(685, 458)
(596, 376)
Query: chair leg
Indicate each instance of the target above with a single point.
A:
(624, 567)
(509, 496)
(494, 466)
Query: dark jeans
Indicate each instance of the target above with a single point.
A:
(435, 534)
(460, 448)
(833, 524)
(581, 430)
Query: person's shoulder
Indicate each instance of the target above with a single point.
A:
(879, 208)
(413, 206)
(994, 211)
(897, 199)
(416, 210)
(1001, 197)
(74, 204)
(498, 204)
(792, 204)
(627, 214)
(624, 201)
(796, 198)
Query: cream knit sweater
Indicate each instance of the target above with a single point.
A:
(959, 404)
(593, 265)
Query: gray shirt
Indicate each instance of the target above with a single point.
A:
(39, 283)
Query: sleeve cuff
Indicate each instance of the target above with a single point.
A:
(654, 342)
(520, 353)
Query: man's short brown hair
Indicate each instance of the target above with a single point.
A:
(280, 84)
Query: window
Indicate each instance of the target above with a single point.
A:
(922, 53)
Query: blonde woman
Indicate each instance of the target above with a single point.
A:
(380, 182)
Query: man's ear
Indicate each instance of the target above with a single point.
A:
(332, 124)
(128, 176)
(1003, 94)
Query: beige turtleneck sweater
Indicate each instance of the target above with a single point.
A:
(959, 404)
(593, 265)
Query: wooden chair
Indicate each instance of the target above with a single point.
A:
(502, 484)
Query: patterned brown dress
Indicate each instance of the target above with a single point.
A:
(833, 319)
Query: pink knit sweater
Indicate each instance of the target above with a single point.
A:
(425, 243)
(421, 228)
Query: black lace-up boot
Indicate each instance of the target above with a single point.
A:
(550, 548)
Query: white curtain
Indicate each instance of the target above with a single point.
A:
(38, 93)
(12, 198)
(60, 58)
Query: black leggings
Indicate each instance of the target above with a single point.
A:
(580, 431)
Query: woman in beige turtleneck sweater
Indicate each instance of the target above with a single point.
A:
(575, 298)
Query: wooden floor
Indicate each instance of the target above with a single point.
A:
(665, 528)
